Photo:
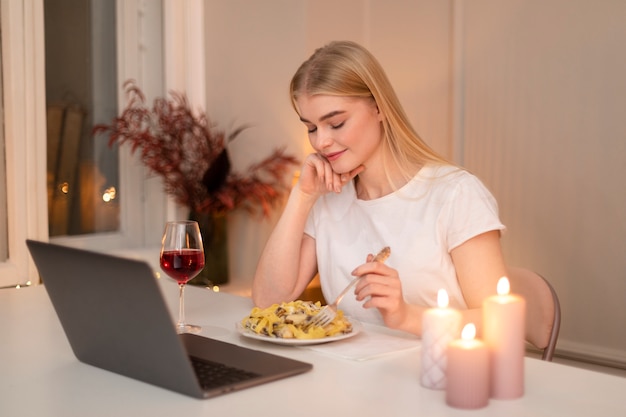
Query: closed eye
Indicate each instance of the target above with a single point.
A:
(337, 126)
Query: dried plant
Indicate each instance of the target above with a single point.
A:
(191, 155)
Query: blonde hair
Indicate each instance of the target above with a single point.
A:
(345, 68)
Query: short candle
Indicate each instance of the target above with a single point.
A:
(467, 373)
(504, 329)
(439, 327)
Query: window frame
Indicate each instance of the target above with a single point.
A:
(24, 128)
(142, 202)
(151, 36)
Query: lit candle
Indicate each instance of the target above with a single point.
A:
(467, 372)
(504, 327)
(439, 327)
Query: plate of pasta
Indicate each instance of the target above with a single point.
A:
(284, 324)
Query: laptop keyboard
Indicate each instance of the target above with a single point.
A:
(213, 374)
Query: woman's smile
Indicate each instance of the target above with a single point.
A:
(333, 156)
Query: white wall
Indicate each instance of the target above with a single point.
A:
(545, 101)
(528, 93)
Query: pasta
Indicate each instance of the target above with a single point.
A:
(286, 320)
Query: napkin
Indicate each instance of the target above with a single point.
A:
(371, 342)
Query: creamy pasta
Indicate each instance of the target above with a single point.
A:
(286, 320)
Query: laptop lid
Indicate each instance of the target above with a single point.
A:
(115, 317)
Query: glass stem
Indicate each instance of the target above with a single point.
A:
(181, 306)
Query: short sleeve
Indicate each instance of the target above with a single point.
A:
(470, 211)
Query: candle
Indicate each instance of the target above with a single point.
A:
(439, 327)
(504, 328)
(467, 372)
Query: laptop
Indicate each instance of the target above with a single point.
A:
(115, 318)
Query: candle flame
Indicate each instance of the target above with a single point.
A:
(503, 287)
(442, 298)
(468, 332)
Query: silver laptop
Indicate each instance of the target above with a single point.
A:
(115, 318)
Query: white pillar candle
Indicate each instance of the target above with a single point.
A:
(467, 372)
(440, 326)
(504, 328)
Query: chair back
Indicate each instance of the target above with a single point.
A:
(543, 310)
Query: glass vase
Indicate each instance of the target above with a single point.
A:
(213, 228)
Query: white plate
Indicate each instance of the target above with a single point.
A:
(356, 328)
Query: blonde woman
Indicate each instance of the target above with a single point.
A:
(372, 182)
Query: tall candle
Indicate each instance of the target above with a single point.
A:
(439, 327)
(504, 328)
(467, 372)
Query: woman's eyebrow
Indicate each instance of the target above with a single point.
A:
(324, 117)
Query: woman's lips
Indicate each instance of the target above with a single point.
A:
(334, 155)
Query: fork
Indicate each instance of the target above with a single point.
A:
(328, 313)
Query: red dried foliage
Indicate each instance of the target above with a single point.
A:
(191, 156)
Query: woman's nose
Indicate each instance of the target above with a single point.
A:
(323, 139)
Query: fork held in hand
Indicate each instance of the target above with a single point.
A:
(328, 313)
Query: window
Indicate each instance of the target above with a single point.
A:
(121, 202)
(139, 54)
(81, 91)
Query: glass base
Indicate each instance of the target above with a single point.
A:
(188, 328)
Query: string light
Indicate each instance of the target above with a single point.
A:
(26, 284)
(109, 194)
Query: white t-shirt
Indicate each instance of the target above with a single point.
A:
(438, 210)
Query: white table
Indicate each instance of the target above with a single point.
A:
(39, 376)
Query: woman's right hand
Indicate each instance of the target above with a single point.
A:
(317, 176)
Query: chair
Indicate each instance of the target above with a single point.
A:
(543, 310)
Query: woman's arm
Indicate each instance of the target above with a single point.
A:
(479, 265)
(478, 262)
(289, 261)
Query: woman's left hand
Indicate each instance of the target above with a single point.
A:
(382, 288)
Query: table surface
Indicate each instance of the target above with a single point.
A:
(39, 376)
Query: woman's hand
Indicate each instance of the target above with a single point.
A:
(317, 176)
(381, 284)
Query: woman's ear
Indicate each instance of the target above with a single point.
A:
(381, 117)
(378, 112)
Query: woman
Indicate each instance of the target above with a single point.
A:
(372, 182)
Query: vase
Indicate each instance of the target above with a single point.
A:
(213, 228)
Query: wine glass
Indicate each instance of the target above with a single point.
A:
(182, 258)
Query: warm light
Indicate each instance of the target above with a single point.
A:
(503, 287)
(296, 177)
(442, 299)
(27, 284)
(65, 188)
(216, 288)
(468, 332)
(109, 194)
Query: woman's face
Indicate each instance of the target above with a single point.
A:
(347, 131)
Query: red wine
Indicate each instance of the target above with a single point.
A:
(182, 264)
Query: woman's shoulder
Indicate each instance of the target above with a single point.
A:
(447, 175)
(443, 181)
(440, 171)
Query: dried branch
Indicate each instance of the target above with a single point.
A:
(192, 158)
